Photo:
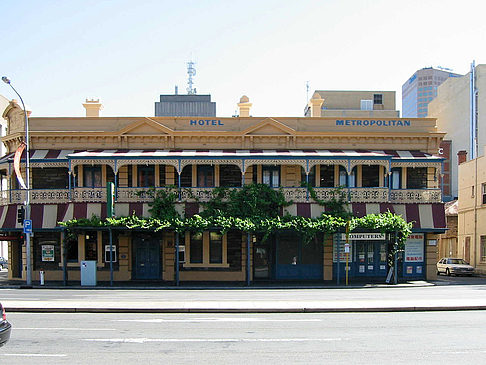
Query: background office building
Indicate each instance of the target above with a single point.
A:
(346, 103)
(420, 89)
(190, 105)
(452, 108)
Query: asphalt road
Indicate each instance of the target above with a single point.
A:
(339, 338)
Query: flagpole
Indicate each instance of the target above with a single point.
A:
(27, 184)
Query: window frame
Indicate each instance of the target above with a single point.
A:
(205, 252)
(272, 169)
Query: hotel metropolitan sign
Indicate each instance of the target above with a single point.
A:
(373, 122)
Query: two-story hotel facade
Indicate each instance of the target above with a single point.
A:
(382, 164)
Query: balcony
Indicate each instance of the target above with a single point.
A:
(296, 194)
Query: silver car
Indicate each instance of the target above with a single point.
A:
(453, 266)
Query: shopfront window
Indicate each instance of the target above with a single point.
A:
(196, 248)
(91, 245)
(215, 248)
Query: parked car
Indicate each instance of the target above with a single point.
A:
(454, 266)
(5, 327)
(3, 263)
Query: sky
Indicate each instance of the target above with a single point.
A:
(127, 53)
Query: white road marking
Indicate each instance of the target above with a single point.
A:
(146, 340)
(36, 355)
(65, 329)
(217, 320)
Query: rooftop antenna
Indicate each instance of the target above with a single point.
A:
(191, 71)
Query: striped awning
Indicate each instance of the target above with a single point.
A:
(64, 155)
(425, 217)
(256, 153)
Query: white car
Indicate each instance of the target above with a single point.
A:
(453, 266)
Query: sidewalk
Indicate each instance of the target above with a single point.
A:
(416, 296)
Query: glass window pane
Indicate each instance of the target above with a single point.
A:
(312, 251)
(327, 176)
(196, 253)
(91, 243)
(288, 249)
(215, 248)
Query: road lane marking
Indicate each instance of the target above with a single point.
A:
(216, 320)
(65, 329)
(36, 355)
(147, 340)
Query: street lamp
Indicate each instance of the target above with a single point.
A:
(27, 183)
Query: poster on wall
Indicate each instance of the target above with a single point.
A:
(47, 252)
(342, 251)
(414, 248)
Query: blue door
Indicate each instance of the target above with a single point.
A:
(370, 258)
(146, 264)
(297, 260)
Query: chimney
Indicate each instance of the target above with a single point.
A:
(316, 104)
(244, 105)
(461, 157)
(92, 107)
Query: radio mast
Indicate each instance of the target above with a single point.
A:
(191, 71)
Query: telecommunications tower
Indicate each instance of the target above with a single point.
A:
(191, 71)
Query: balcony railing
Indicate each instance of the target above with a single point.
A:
(416, 196)
(295, 194)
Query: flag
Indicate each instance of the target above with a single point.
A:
(18, 155)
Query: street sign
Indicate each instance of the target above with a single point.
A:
(27, 225)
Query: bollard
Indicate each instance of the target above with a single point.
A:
(41, 273)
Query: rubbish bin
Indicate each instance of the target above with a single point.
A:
(88, 273)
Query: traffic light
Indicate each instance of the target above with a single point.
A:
(21, 215)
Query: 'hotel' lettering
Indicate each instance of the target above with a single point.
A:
(206, 122)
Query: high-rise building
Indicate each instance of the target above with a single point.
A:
(454, 110)
(190, 105)
(420, 89)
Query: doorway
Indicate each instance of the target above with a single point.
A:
(146, 257)
(370, 258)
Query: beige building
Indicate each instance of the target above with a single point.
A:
(452, 108)
(363, 104)
(472, 212)
(381, 163)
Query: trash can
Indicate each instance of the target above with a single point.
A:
(88, 273)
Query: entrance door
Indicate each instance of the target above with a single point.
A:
(146, 265)
(370, 258)
(261, 262)
(299, 261)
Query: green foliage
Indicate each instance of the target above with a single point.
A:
(253, 209)
(163, 204)
(337, 205)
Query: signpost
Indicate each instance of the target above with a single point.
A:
(28, 226)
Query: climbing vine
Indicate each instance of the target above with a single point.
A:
(254, 208)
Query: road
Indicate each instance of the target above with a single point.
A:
(306, 338)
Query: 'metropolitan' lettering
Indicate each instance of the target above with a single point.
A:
(372, 123)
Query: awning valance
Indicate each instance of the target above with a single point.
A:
(426, 217)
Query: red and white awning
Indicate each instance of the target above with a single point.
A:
(426, 217)
(256, 153)
(64, 155)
